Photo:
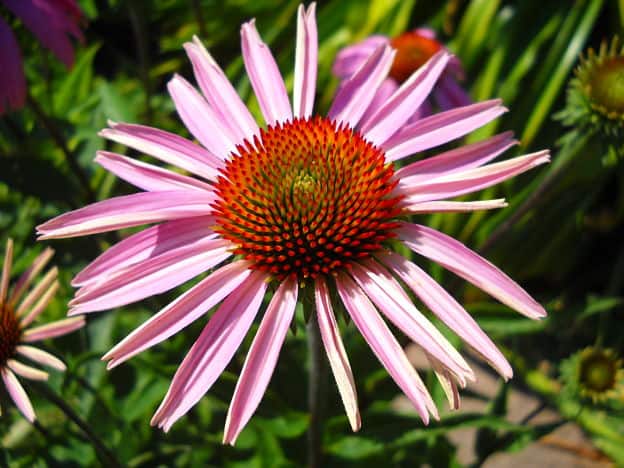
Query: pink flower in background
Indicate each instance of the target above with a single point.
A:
(53, 22)
(414, 49)
(19, 307)
(306, 206)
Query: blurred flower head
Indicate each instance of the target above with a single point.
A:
(20, 305)
(594, 373)
(413, 49)
(53, 22)
(308, 206)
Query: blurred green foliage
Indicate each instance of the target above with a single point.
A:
(564, 245)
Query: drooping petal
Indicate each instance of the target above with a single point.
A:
(6, 270)
(12, 80)
(449, 94)
(53, 329)
(212, 351)
(180, 313)
(385, 346)
(167, 147)
(452, 206)
(471, 180)
(336, 354)
(456, 257)
(261, 359)
(357, 92)
(145, 244)
(26, 371)
(200, 119)
(40, 356)
(386, 89)
(147, 176)
(441, 128)
(447, 382)
(127, 211)
(459, 159)
(397, 110)
(50, 26)
(265, 77)
(447, 309)
(220, 93)
(33, 270)
(152, 276)
(18, 394)
(306, 54)
(37, 291)
(387, 294)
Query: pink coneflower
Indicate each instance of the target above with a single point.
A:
(53, 22)
(308, 206)
(18, 310)
(413, 50)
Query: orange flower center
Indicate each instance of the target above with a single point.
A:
(10, 333)
(306, 199)
(413, 51)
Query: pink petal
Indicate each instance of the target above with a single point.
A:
(452, 206)
(146, 176)
(12, 80)
(265, 76)
(127, 211)
(167, 147)
(441, 128)
(49, 24)
(357, 92)
(306, 57)
(350, 58)
(388, 295)
(471, 180)
(180, 313)
(212, 351)
(397, 110)
(459, 159)
(6, 270)
(18, 395)
(449, 94)
(447, 309)
(448, 384)
(42, 357)
(145, 244)
(200, 119)
(26, 371)
(456, 257)
(24, 281)
(261, 359)
(220, 93)
(385, 346)
(336, 354)
(37, 291)
(152, 276)
(387, 88)
(41, 304)
(53, 329)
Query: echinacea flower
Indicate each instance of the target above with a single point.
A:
(53, 22)
(413, 50)
(19, 307)
(306, 206)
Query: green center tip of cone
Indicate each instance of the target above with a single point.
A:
(607, 85)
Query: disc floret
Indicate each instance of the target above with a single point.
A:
(10, 332)
(306, 198)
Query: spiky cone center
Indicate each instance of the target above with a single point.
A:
(10, 333)
(413, 51)
(602, 79)
(306, 198)
(599, 372)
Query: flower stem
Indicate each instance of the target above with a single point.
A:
(59, 139)
(316, 392)
(106, 456)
